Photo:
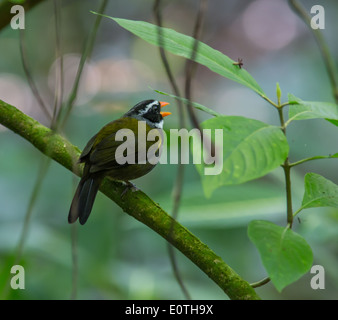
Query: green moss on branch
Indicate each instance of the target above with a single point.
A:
(135, 203)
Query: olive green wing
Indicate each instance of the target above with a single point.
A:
(119, 144)
(87, 149)
(117, 147)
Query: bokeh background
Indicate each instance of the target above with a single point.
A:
(118, 257)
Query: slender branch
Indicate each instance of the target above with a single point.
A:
(191, 65)
(260, 283)
(85, 54)
(29, 77)
(75, 267)
(310, 159)
(284, 104)
(177, 196)
(59, 76)
(178, 185)
(171, 78)
(28, 215)
(297, 211)
(270, 101)
(322, 45)
(137, 204)
(190, 69)
(43, 168)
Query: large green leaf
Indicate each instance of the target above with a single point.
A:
(319, 192)
(286, 255)
(250, 149)
(302, 110)
(183, 45)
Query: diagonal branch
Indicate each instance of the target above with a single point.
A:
(137, 204)
(322, 45)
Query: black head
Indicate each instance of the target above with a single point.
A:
(149, 111)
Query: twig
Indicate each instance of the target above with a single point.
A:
(85, 54)
(310, 159)
(178, 185)
(75, 267)
(30, 78)
(260, 283)
(171, 78)
(191, 65)
(322, 45)
(190, 69)
(59, 76)
(45, 162)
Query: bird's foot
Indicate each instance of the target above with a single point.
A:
(129, 186)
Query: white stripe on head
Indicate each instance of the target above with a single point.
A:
(146, 109)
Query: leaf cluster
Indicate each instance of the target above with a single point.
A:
(252, 149)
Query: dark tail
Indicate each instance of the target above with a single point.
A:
(83, 200)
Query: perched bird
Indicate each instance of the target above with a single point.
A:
(103, 157)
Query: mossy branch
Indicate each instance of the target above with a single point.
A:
(137, 204)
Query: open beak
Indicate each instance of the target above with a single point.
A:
(163, 104)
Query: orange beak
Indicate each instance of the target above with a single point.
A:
(163, 104)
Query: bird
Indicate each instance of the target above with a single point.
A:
(102, 155)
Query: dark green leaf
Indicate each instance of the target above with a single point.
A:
(301, 110)
(183, 45)
(194, 104)
(286, 255)
(250, 149)
(319, 192)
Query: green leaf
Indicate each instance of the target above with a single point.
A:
(183, 45)
(194, 104)
(286, 255)
(335, 122)
(319, 192)
(302, 110)
(249, 150)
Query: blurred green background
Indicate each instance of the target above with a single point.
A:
(118, 257)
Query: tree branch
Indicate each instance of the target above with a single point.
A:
(322, 45)
(137, 204)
